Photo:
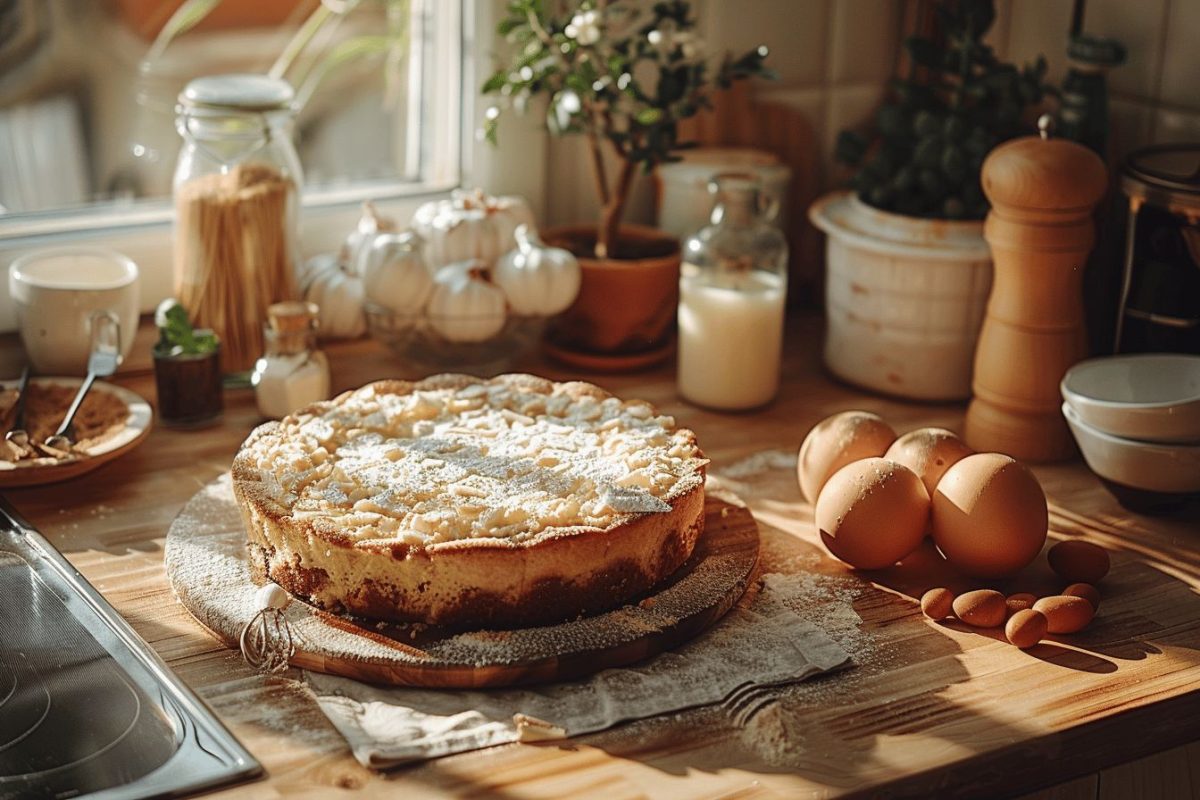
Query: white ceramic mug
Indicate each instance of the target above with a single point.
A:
(58, 291)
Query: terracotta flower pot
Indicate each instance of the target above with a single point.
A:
(625, 312)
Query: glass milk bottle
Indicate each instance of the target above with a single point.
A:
(732, 287)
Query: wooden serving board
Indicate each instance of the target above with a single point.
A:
(207, 567)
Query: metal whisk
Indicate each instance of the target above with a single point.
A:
(266, 641)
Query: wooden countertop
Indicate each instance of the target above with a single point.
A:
(929, 709)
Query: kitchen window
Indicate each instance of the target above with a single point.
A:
(87, 111)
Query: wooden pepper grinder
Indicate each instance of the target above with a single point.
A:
(1040, 231)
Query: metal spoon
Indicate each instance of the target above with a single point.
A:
(17, 434)
(102, 362)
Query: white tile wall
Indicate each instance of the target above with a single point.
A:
(1156, 93)
(1181, 55)
(834, 58)
(1140, 26)
(863, 41)
(796, 31)
(1037, 27)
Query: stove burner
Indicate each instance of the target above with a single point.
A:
(85, 705)
(70, 709)
(28, 708)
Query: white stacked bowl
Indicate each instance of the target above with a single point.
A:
(1136, 419)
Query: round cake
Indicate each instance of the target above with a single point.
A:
(463, 502)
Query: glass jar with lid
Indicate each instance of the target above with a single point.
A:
(237, 186)
(732, 290)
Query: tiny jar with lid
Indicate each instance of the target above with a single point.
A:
(732, 292)
(237, 186)
(292, 372)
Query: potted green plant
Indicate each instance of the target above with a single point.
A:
(622, 74)
(908, 270)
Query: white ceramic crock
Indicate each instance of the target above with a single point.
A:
(685, 204)
(56, 291)
(904, 298)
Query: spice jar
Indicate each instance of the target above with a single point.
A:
(237, 184)
(292, 372)
(732, 288)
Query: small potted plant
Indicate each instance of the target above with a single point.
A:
(908, 270)
(187, 369)
(623, 75)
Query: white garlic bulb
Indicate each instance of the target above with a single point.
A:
(538, 280)
(469, 225)
(394, 274)
(465, 305)
(370, 224)
(338, 295)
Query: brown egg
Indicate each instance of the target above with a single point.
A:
(983, 608)
(929, 452)
(1065, 614)
(837, 441)
(1020, 601)
(1086, 591)
(872, 513)
(1079, 562)
(1026, 628)
(938, 603)
(989, 515)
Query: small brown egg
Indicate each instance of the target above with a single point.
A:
(989, 515)
(1076, 561)
(1086, 591)
(938, 603)
(982, 608)
(929, 452)
(835, 442)
(872, 513)
(1026, 628)
(1020, 601)
(1065, 614)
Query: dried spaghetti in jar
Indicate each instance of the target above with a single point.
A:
(237, 187)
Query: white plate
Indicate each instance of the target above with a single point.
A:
(38, 471)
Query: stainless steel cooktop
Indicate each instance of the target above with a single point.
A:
(86, 707)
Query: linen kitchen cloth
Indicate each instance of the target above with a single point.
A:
(765, 644)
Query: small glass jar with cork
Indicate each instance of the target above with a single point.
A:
(292, 372)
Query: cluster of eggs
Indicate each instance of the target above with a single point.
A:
(876, 495)
(1026, 618)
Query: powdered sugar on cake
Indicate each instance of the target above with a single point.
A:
(498, 460)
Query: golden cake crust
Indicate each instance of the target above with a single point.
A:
(450, 576)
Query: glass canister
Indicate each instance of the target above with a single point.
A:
(237, 186)
(292, 372)
(732, 291)
(1158, 308)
